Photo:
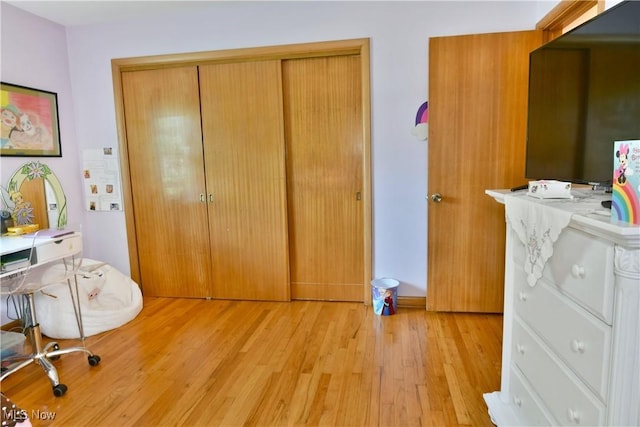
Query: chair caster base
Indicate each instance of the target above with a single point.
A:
(52, 346)
(59, 390)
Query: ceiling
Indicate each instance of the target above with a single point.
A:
(87, 12)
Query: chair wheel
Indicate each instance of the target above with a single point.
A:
(59, 390)
(94, 360)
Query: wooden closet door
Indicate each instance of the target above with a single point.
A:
(162, 116)
(324, 134)
(244, 158)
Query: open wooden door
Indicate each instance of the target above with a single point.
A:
(477, 130)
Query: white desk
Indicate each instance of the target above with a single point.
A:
(11, 244)
(47, 249)
(51, 248)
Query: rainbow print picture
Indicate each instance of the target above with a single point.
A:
(625, 200)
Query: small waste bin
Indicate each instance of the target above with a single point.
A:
(384, 296)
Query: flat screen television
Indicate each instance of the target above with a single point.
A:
(584, 94)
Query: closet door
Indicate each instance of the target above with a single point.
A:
(245, 172)
(162, 116)
(324, 134)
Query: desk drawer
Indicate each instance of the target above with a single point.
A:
(59, 248)
(568, 400)
(578, 337)
(581, 267)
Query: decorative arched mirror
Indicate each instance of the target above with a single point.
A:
(34, 195)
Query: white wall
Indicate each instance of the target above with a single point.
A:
(399, 33)
(34, 54)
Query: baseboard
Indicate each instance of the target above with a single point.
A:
(11, 325)
(412, 302)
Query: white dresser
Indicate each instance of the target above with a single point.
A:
(571, 338)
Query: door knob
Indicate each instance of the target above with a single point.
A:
(436, 197)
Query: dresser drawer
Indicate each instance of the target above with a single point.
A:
(567, 399)
(528, 407)
(579, 338)
(581, 267)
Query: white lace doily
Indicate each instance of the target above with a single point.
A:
(538, 226)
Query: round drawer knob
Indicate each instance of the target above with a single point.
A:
(574, 416)
(520, 348)
(517, 401)
(577, 271)
(577, 346)
(523, 296)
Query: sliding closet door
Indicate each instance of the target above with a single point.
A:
(244, 162)
(162, 116)
(324, 134)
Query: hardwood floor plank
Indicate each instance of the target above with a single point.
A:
(190, 362)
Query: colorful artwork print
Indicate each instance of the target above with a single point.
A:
(625, 198)
(29, 123)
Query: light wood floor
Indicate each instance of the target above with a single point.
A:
(207, 363)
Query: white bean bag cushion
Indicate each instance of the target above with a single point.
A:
(108, 299)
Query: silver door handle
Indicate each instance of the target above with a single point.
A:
(436, 197)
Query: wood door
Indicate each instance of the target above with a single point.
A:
(162, 116)
(244, 159)
(477, 130)
(324, 134)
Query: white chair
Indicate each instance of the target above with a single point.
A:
(54, 257)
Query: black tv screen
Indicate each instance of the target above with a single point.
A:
(584, 94)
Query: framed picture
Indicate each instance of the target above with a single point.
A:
(30, 126)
